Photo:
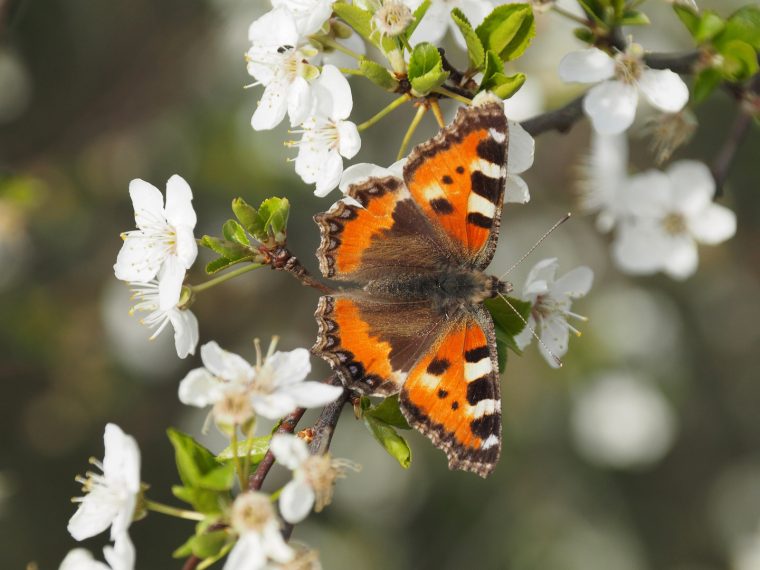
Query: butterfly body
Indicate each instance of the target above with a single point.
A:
(419, 247)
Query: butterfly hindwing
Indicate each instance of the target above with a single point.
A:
(458, 178)
(452, 394)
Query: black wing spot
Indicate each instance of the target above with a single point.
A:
(480, 389)
(438, 366)
(477, 354)
(442, 394)
(460, 169)
(447, 179)
(478, 219)
(454, 405)
(441, 206)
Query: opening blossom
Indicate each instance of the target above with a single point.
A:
(121, 556)
(183, 321)
(164, 244)
(552, 299)
(111, 497)
(258, 528)
(611, 105)
(313, 480)
(278, 59)
(237, 390)
(326, 136)
(669, 213)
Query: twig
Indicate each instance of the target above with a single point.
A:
(281, 259)
(558, 120)
(288, 425)
(680, 63)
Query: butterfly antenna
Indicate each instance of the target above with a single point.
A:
(530, 328)
(535, 245)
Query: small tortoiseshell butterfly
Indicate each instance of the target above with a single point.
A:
(419, 247)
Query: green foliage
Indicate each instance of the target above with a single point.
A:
(426, 69)
(387, 411)
(206, 481)
(508, 324)
(743, 25)
(358, 18)
(503, 86)
(268, 223)
(258, 449)
(382, 421)
(508, 30)
(378, 74)
(475, 52)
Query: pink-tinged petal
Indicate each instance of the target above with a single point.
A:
(554, 336)
(300, 101)
(712, 225)
(586, 66)
(135, 261)
(516, 191)
(682, 258)
(247, 554)
(289, 367)
(646, 195)
(312, 394)
(349, 140)
(179, 202)
(521, 151)
(147, 201)
(638, 248)
(296, 501)
(289, 450)
(199, 388)
(611, 106)
(226, 365)
(170, 280)
(122, 555)
(333, 94)
(272, 107)
(693, 186)
(574, 284)
(664, 89)
(329, 174)
(185, 331)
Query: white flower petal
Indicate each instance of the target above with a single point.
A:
(170, 280)
(525, 336)
(611, 106)
(309, 15)
(664, 89)
(329, 174)
(185, 331)
(186, 246)
(363, 171)
(349, 140)
(682, 258)
(289, 450)
(147, 201)
(275, 28)
(554, 336)
(92, 517)
(296, 501)
(647, 194)
(81, 559)
(693, 186)
(521, 150)
(179, 202)
(121, 459)
(574, 284)
(586, 66)
(543, 271)
(312, 394)
(333, 93)
(289, 367)
(713, 225)
(136, 262)
(433, 26)
(273, 406)
(122, 555)
(638, 247)
(274, 545)
(516, 191)
(224, 364)
(247, 554)
(200, 388)
(272, 107)
(300, 101)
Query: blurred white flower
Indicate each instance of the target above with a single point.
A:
(620, 421)
(313, 480)
(278, 60)
(120, 556)
(258, 528)
(520, 154)
(669, 212)
(437, 20)
(304, 558)
(326, 137)
(272, 389)
(552, 299)
(146, 297)
(164, 244)
(604, 174)
(363, 171)
(611, 105)
(746, 552)
(110, 498)
(309, 15)
(391, 18)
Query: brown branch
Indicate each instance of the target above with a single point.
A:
(680, 63)
(288, 425)
(281, 259)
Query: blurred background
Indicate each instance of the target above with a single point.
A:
(642, 453)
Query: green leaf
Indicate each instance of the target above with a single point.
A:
(475, 52)
(378, 74)
(584, 34)
(688, 17)
(743, 25)
(202, 500)
(209, 544)
(275, 212)
(508, 30)
(739, 61)
(388, 411)
(426, 68)
(493, 65)
(391, 441)
(259, 446)
(246, 215)
(594, 10)
(219, 479)
(233, 231)
(505, 317)
(212, 559)
(229, 249)
(705, 83)
(710, 25)
(634, 18)
(504, 86)
(193, 460)
(185, 550)
(359, 19)
(221, 263)
(418, 14)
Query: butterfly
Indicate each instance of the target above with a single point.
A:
(419, 246)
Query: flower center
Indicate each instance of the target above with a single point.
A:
(233, 408)
(392, 18)
(547, 306)
(252, 512)
(628, 67)
(674, 224)
(97, 484)
(321, 472)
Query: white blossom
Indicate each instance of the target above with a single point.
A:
(163, 245)
(437, 20)
(604, 175)
(120, 556)
(110, 498)
(520, 154)
(258, 528)
(184, 322)
(668, 214)
(279, 60)
(611, 105)
(326, 136)
(551, 301)
(309, 15)
(313, 480)
(271, 389)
